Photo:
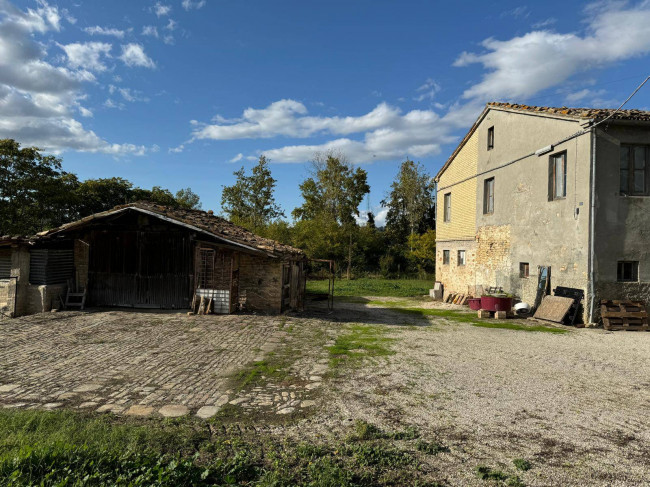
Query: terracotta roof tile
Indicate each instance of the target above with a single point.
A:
(581, 113)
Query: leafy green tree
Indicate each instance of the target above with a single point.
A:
(35, 193)
(423, 251)
(250, 201)
(188, 199)
(332, 195)
(96, 195)
(411, 202)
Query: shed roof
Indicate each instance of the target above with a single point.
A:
(202, 221)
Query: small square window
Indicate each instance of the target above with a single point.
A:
(447, 208)
(445, 256)
(628, 271)
(490, 138)
(461, 257)
(524, 269)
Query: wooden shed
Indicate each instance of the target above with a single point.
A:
(145, 255)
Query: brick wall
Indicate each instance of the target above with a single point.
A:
(463, 196)
(260, 279)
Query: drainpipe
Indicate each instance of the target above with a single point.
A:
(592, 227)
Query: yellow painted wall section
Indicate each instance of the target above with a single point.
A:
(463, 195)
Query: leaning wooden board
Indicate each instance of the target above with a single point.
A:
(624, 315)
(553, 308)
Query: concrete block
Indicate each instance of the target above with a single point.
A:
(501, 315)
(482, 313)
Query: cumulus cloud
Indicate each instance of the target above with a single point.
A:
(87, 55)
(150, 30)
(103, 31)
(524, 65)
(189, 4)
(133, 55)
(161, 10)
(38, 100)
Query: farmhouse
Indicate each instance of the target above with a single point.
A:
(144, 255)
(564, 190)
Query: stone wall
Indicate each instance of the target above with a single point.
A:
(260, 279)
(455, 278)
(493, 266)
(7, 297)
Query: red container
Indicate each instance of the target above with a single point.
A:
(493, 303)
(474, 303)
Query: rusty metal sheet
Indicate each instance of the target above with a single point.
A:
(553, 308)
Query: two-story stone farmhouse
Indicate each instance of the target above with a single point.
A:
(567, 188)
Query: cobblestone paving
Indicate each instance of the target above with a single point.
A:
(135, 363)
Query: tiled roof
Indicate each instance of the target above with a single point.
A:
(581, 113)
(203, 220)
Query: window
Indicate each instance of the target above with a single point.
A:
(5, 264)
(447, 209)
(461, 257)
(445, 257)
(49, 266)
(490, 138)
(488, 196)
(524, 269)
(634, 176)
(557, 176)
(628, 271)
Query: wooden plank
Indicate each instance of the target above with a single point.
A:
(554, 308)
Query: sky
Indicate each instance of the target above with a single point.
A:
(182, 93)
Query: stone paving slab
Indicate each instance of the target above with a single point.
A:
(128, 362)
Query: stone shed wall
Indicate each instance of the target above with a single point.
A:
(260, 279)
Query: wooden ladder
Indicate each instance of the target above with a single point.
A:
(78, 298)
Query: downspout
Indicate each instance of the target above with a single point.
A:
(592, 226)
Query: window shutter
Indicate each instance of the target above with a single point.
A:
(550, 178)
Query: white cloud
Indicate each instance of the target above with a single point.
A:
(37, 99)
(524, 65)
(171, 25)
(428, 90)
(150, 30)
(544, 23)
(379, 214)
(87, 55)
(103, 31)
(237, 158)
(189, 4)
(134, 55)
(168, 39)
(161, 10)
(521, 12)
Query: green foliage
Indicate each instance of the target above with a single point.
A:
(423, 251)
(430, 448)
(522, 464)
(374, 287)
(484, 472)
(188, 199)
(273, 367)
(250, 201)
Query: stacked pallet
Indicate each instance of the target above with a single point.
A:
(457, 298)
(624, 315)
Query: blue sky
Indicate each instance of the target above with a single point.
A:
(181, 93)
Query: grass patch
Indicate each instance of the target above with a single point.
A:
(360, 342)
(430, 448)
(484, 472)
(272, 367)
(464, 317)
(522, 464)
(374, 287)
(74, 449)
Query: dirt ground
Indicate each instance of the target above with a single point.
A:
(576, 405)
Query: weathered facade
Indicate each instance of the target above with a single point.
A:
(551, 187)
(148, 256)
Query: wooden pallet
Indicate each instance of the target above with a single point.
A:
(624, 315)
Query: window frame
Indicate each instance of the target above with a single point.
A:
(488, 204)
(446, 208)
(446, 257)
(490, 138)
(631, 170)
(552, 186)
(620, 271)
(458, 261)
(524, 270)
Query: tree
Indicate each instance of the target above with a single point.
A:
(423, 251)
(96, 195)
(35, 193)
(411, 202)
(188, 199)
(250, 201)
(333, 194)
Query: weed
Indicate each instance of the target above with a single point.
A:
(410, 433)
(366, 431)
(522, 464)
(272, 367)
(484, 472)
(380, 455)
(514, 481)
(430, 448)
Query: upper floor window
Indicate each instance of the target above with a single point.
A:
(628, 271)
(634, 173)
(490, 138)
(557, 176)
(445, 256)
(488, 196)
(447, 208)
